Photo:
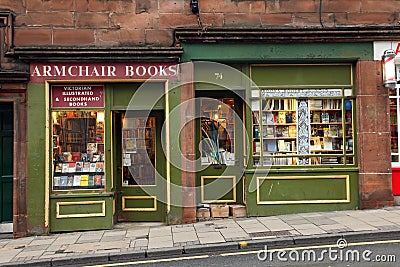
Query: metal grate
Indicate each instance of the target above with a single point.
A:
(270, 233)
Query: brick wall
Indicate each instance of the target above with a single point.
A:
(150, 22)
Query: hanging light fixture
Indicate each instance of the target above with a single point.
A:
(389, 69)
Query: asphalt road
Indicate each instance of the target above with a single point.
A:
(372, 253)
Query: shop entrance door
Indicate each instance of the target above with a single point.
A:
(140, 164)
(220, 139)
(6, 161)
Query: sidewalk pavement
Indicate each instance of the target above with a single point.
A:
(132, 241)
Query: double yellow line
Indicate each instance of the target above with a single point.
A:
(243, 253)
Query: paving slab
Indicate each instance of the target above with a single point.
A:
(181, 237)
(160, 242)
(210, 237)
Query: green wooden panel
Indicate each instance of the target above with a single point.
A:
(80, 209)
(36, 156)
(298, 75)
(293, 193)
(220, 188)
(149, 96)
(303, 189)
(6, 161)
(139, 203)
(81, 223)
(266, 52)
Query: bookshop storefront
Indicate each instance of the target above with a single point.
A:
(307, 106)
(103, 131)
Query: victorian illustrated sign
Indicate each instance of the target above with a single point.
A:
(75, 96)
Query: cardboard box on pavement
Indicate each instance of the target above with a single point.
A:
(203, 213)
(219, 211)
(237, 210)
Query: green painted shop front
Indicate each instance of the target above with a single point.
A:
(283, 179)
(122, 186)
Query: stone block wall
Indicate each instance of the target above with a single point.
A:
(151, 22)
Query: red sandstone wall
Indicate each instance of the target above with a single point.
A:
(150, 22)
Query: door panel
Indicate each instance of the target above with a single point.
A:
(140, 180)
(6, 161)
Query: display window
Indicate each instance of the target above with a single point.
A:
(78, 149)
(217, 131)
(294, 127)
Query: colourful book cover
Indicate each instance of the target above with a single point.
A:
(64, 168)
(70, 180)
(79, 166)
(77, 180)
(86, 167)
(92, 167)
(84, 180)
(63, 180)
(72, 167)
(97, 180)
(99, 166)
(91, 180)
(57, 181)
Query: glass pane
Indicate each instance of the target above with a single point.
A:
(217, 131)
(78, 149)
(321, 126)
(138, 151)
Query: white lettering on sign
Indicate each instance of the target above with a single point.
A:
(77, 96)
(40, 72)
(162, 71)
(81, 71)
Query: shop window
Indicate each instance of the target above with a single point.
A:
(294, 127)
(217, 131)
(394, 127)
(78, 149)
(139, 151)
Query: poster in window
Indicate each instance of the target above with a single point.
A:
(130, 145)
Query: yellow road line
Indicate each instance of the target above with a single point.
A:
(152, 261)
(243, 253)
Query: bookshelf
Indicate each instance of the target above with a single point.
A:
(274, 132)
(326, 130)
(78, 150)
(138, 151)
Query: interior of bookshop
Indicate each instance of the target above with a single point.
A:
(302, 131)
(78, 150)
(217, 131)
(138, 150)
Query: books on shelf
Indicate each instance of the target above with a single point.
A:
(328, 143)
(63, 180)
(79, 166)
(84, 180)
(72, 167)
(86, 167)
(282, 117)
(270, 145)
(97, 180)
(91, 180)
(56, 181)
(77, 180)
(99, 166)
(70, 180)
